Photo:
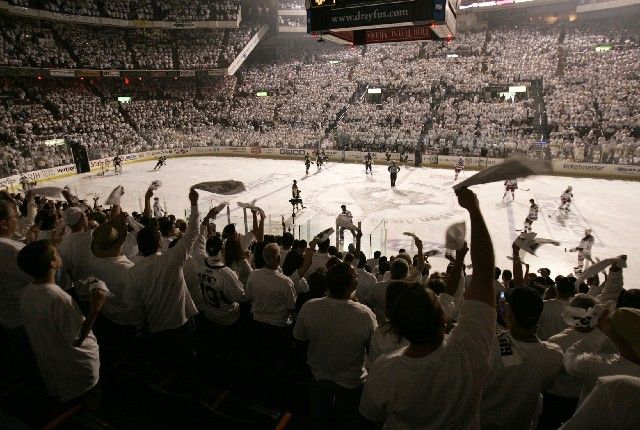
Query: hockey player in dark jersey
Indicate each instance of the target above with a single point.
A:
(393, 170)
(161, 162)
(388, 155)
(307, 163)
(295, 196)
(368, 164)
(117, 165)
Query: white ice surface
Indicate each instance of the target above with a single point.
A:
(423, 202)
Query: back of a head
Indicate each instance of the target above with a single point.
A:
(287, 240)
(271, 255)
(36, 257)
(362, 260)
(7, 209)
(333, 260)
(214, 246)
(383, 267)
(507, 275)
(148, 241)
(566, 288)
(526, 306)
(317, 283)
(340, 280)
(46, 218)
(377, 254)
(332, 250)
(232, 250)
(436, 284)
(324, 246)
(165, 225)
(292, 262)
(394, 289)
(229, 231)
(629, 299)
(496, 273)
(399, 269)
(582, 301)
(418, 317)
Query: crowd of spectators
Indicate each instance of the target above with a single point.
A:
(102, 307)
(162, 10)
(292, 21)
(28, 43)
(291, 4)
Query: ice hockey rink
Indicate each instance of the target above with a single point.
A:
(423, 202)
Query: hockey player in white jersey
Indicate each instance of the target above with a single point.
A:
(344, 221)
(459, 167)
(533, 215)
(584, 251)
(510, 185)
(565, 199)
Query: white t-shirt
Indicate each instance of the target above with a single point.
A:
(584, 363)
(338, 332)
(377, 299)
(12, 282)
(612, 404)
(384, 341)
(53, 321)
(113, 272)
(319, 260)
(441, 390)
(218, 293)
(272, 296)
(242, 269)
(551, 321)
(519, 373)
(366, 281)
(157, 284)
(300, 284)
(566, 385)
(75, 251)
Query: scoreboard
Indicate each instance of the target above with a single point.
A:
(360, 22)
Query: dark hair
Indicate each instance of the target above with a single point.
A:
(214, 245)
(324, 246)
(339, 279)
(174, 242)
(496, 273)
(292, 262)
(383, 267)
(46, 219)
(629, 299)
(258, 257)
(526, 305)
(399, 268)
(165, 225)
(5, 207)
(287, 240)
(332, 262)
(36, 257)
(148, 241)
(394, 289)
(377, 254)
(418, 317)
(507, 274)
(98, 217)
(228, 231)
(332, 250)
(362, 260)
(566, 287)
(436, 284)
(232, 251)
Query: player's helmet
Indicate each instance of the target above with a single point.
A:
(569, 188)
(587, 231)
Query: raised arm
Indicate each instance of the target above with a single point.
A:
(147, 204)
(419, 247)
(518, 278)
(481, 287)
(184, 245)
(453, 281)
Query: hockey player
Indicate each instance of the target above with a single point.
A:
(344, 221)
(388, 155)
(307, 163)
(161, 161)
(393, 170)
(319, 161)
(117, 164)
(368, 164)
(404, 158)
(510, 185)
(565, 199)
(533, 215)
(458, 167)
(158, 212)
(295, 196)
(584, 251)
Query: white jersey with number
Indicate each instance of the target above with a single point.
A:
(220, 290)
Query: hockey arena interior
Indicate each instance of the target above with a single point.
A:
(320, 214)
